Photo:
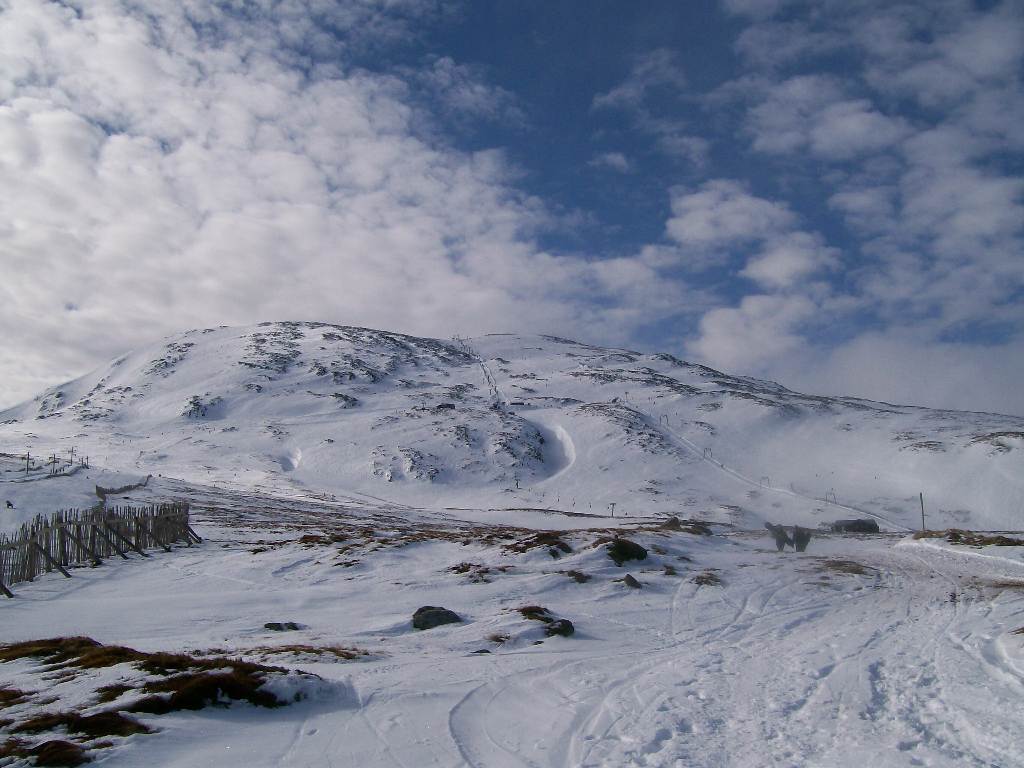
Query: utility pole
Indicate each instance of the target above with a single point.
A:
(612, 505)
(922, 512)
(28, 457)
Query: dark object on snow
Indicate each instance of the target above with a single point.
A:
(672, 524)
(445, 407)
(430, 616)
(855, 526)
(278, 626)
(781, 537)
(621, 550)
(801, 538)
(560, 627)
(631, 582)
(9, 505)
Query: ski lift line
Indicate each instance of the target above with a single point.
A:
(679, 438)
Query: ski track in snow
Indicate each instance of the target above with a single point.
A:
(774, 666)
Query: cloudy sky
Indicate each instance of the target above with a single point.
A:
(829, 194)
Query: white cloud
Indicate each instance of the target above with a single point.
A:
(907, 119)
(810, 113)
(171, 166)
(722, 213)
(761, 330)
(788, 260)
(614, 160)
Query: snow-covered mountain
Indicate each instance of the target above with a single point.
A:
(510, 421)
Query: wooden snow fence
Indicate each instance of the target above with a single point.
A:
(77, 537)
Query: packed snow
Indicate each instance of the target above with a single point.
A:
(342, 478)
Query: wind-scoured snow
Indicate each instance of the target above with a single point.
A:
(343, 477)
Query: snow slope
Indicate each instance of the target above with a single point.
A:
(507, 422)
(876, 651)
(341, 478)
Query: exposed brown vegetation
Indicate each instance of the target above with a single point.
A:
(61, 754)
(669, 570)
(706, 579)
(58, 754)
(696, 527)
(198, 690)
(111, 723)
(54, 651)
(109, 693)
(578, 576)
(548, 539)
(499, 638)
(10, 697)
(477, 573)
(1018, 631)
(337, 651)
(845, 566)
(535, 613)
(970, 538)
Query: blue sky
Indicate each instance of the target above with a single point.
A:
(828, 194)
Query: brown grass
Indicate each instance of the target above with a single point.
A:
(10, 697)
(669, 570)
(61, 754)
(548, 539)
(499, 638)
(845, 566)
(706, 579)
(578, 576)
(996, 585)
(476, 572)
(1018, 631)
(198, 690)
(535, 613)
(109, 693)
(338, 651)
(970, 539)
(54, 651)
(111, 723)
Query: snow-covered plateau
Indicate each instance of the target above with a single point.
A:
(343, 477)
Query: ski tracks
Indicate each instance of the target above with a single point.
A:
(774, 671)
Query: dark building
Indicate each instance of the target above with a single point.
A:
(855, 526)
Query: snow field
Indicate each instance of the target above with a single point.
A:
(853, 654)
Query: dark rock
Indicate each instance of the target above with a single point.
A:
(621, 550)
(631, 582)
(672, 524)
(561, 627)
(278, 626)
(430, 616)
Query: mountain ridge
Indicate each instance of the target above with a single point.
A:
(510, 420)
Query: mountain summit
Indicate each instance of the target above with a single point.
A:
(510, 422)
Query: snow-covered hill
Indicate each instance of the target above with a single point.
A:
(510, 422)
